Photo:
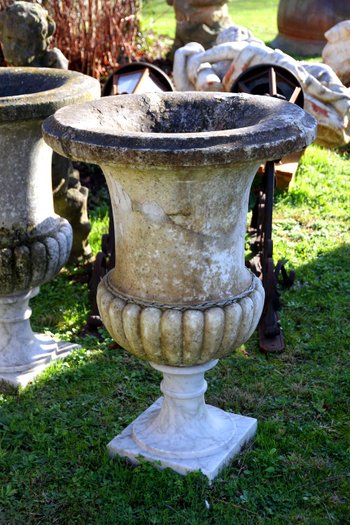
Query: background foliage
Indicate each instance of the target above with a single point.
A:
(95, 35)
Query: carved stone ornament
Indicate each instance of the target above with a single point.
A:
(336, 52)
(34, 242)
(199, 20)
(217, 68)
(26, 31)
(179, 335)
(179, 168)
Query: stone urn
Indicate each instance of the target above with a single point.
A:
(199, 21)
(179, 168)
(34, 242)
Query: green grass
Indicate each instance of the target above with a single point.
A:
(54, 468)
(159, 17)
(259, 17)
(53, 461)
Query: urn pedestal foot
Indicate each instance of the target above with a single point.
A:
(23, 353)
(181, 431)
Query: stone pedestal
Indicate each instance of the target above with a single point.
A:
(179, 168)
(181, 431)
(34, 242)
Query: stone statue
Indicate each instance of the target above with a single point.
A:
(26, 30)
(336, 52)
(216, 69)
(199, 21)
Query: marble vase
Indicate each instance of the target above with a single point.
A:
(34, 242)
(179, 168)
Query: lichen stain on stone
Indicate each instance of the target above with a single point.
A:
(12, 236)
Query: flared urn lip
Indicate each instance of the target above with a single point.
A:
(180, 128)
(35, 93)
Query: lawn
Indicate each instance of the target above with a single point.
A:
(54, 468)
(158, 16)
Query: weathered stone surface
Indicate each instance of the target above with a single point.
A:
(34, 241)
(27, 216)
(71, 202)
(199, 20)
(178, 129)
(24, 354)
(179, 335)
(28, 265)
(179, 168)
(26, 30)
(180, 431)
(31, 93)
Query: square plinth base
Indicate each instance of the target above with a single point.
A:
(123, 445)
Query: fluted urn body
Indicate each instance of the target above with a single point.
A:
(179, 167)
(34, 242)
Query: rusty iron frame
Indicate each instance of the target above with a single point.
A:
(278, 82)
(261, 244)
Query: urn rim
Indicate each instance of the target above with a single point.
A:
(119, 129)
(37, 92)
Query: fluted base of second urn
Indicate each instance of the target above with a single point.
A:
(181, 431)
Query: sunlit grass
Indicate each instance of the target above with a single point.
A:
(54, 468)
(53, 462)
(159, 17)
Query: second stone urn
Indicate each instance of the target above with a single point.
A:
(34, 242)
(179, 167)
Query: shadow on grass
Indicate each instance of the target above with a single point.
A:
(53, 460)
(62, 306)
(316, 308)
